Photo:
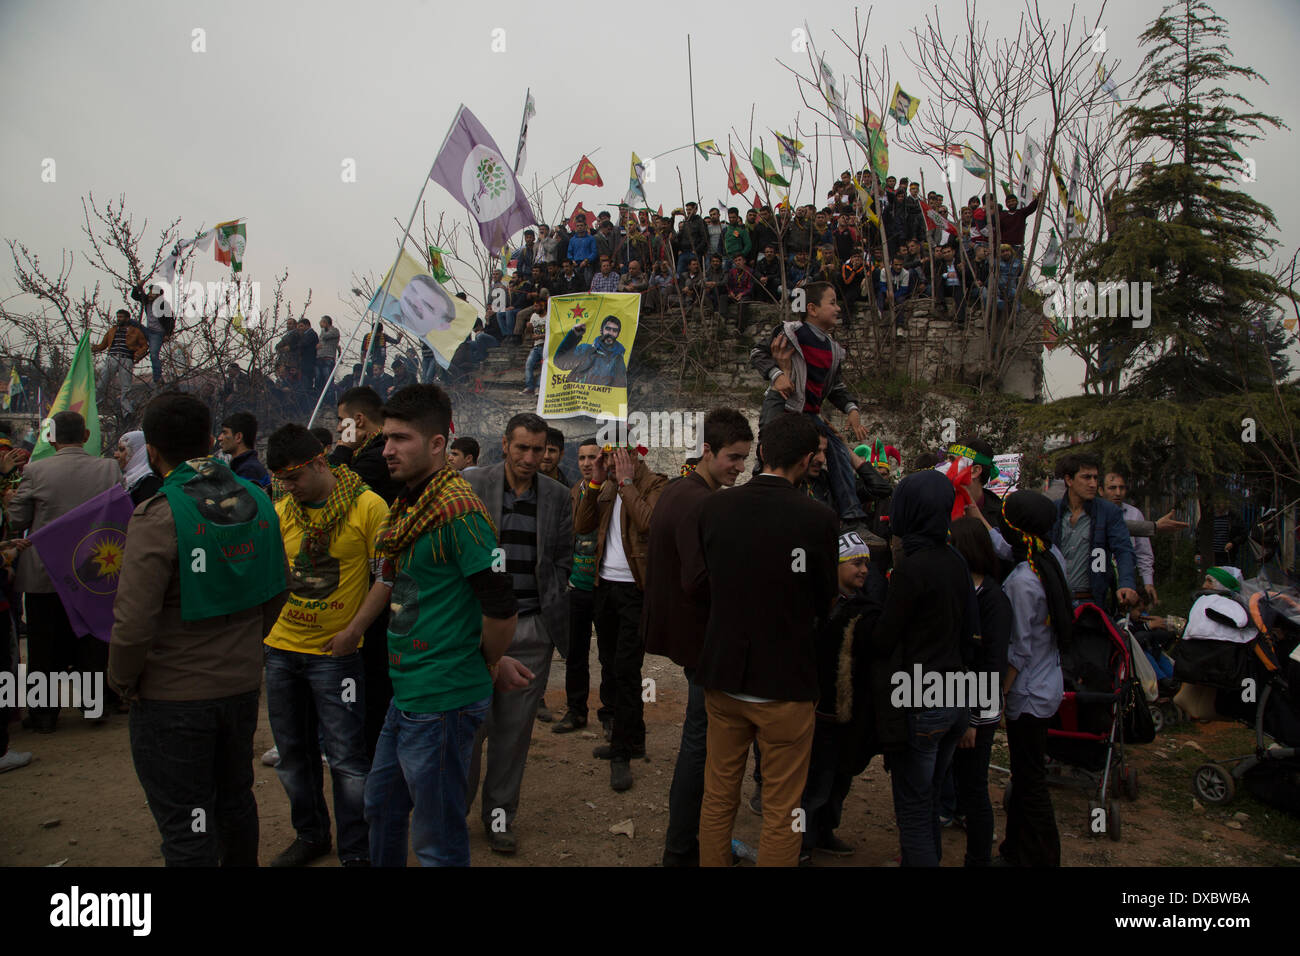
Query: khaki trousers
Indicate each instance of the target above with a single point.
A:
(785, 731)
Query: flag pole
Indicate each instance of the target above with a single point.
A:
(690, 74)
(523, 126)
(365, 368)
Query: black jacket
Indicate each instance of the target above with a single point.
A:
(368, 462)
(770, 555)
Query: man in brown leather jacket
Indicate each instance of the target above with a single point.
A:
(621, 494)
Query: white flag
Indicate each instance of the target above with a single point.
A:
(521, 154)
(168, 266)
(1028, 171)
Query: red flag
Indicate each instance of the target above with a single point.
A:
(951, 150)
(960, 478)
(590, 216)
(660, 213)
(935, 221)
(736, 180)
(585, 174)
(758, 202)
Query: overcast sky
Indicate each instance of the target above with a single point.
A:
(260, 124)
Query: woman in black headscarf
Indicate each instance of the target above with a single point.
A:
(1041, 615)
(929, 612)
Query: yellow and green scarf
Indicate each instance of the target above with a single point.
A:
(317, 530)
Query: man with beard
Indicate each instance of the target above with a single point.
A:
(315, 680)
(597, 363)
(452, 619)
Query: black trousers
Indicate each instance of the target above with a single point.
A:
(827, 784)
(379, 683)
(620, 642)
(1032, 837)
(194, 759)
(52, 646)
(970, 770)
(577, 667)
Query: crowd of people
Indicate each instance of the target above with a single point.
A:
(402, 604)
(717, 262)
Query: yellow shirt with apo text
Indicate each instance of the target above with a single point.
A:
(326, 590)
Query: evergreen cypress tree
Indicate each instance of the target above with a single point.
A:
(1183, 224)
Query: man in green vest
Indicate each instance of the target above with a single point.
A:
(203, 580)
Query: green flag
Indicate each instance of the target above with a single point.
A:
(766, 169)
(231, 239)
(435, 264)
(1052, 257)
(76, 394)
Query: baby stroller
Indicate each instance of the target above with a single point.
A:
(1087, 733)
(1257, 683)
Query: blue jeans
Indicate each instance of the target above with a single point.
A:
(506, 322)
(198, 755)
(531, 366)
(155, 339)
(310, 705)
(419, 775)
(686, 795)
(839, 471)
(917, 775)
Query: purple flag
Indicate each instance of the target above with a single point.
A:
(83, 552)
(472, 169)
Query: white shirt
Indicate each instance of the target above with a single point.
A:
(613, 564)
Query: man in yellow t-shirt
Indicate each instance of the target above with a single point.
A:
(315, 679)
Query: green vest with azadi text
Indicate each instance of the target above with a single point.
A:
(228, 536)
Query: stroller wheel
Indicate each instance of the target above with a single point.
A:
(1214, 784)
(1129, 779)
(1112, 821)
(1157, 717)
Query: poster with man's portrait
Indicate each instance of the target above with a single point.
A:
(589, 338)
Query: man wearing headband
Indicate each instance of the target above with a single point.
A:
(329, 521)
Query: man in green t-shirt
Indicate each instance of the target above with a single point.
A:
(452, 618)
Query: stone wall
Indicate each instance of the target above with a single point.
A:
(714, 371)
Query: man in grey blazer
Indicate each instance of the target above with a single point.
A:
(534, 524)
(50, 488)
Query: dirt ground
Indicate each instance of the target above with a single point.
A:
(79, 802)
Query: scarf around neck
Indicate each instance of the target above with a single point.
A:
(447, 496)
(318, 529)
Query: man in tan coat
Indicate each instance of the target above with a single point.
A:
(203, 581)
(50, 488)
